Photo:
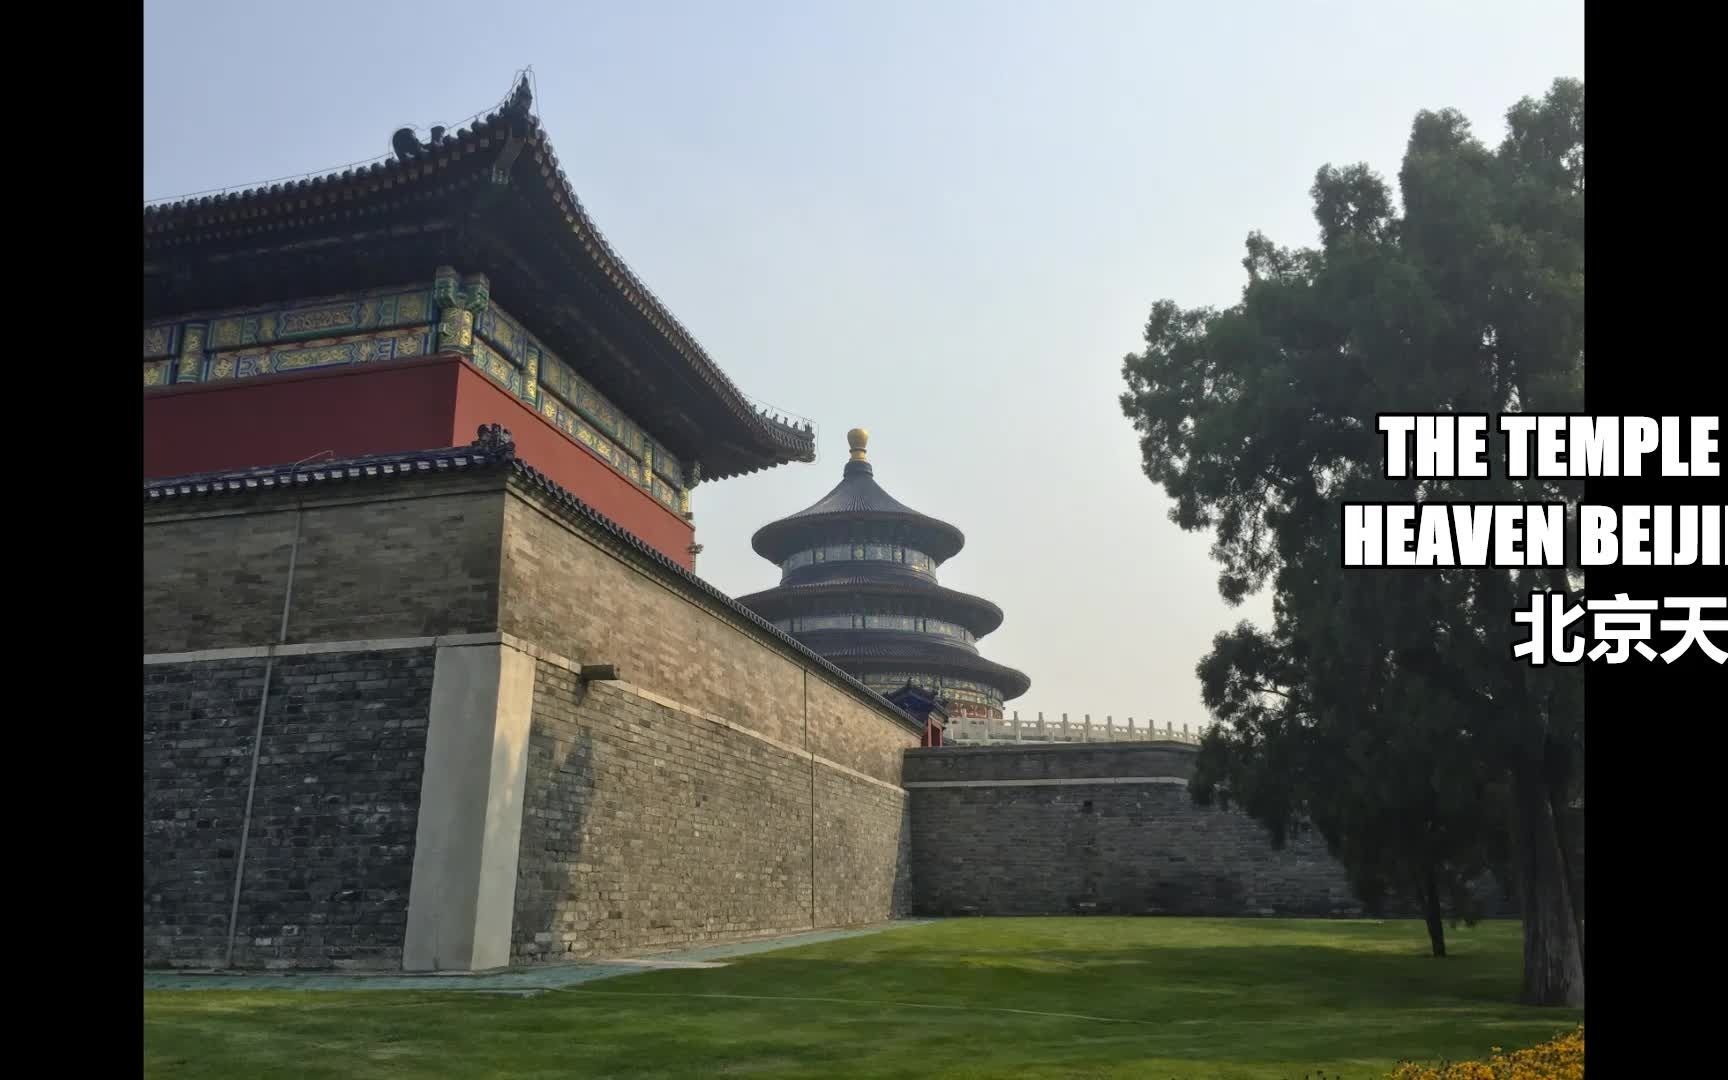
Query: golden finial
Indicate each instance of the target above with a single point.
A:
(858, 439)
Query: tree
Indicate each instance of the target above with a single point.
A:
(1376, 764)
(1258, 421)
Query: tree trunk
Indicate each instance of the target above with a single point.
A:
(1563, 837)
(1431, 913)
(1553, 953)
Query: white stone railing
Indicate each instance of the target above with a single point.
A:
(978, 731)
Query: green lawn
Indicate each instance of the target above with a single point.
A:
(1155, 998)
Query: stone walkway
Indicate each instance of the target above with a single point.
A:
(520, 981)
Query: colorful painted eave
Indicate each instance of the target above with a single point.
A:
(510, 138)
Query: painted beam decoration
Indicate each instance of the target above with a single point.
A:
(451, 315)
(330, 331)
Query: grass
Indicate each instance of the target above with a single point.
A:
(1153, 999)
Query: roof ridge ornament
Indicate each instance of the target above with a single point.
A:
(408, 147)
(406, 144)
(470, 175)
(522, 99)
(859, 441)
(495, 439)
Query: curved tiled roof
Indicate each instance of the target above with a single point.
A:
(858, 497)
(861, 650)
(495, 450)
(973, 612)
(856, 493)
(853, 511)
(513, 140)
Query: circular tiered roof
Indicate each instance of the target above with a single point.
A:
(857, 501)
(858, 586)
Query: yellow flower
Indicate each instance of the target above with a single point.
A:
(1560, 1058)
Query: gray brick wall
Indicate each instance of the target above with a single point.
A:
(563, 593)
(197, 754)
(840, 729)
(863, 866)
(1098, 848)
(331, 846)
(1047, 842)
(647, 827)
(644, 825)
(414, 559)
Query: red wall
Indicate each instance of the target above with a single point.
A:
(421, 404)
(281, 419)
(479, 400)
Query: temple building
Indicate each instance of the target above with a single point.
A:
(404, 305)
(429, 682)
(858, 586)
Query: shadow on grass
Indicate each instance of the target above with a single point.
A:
(1297, 978)
(980, 998)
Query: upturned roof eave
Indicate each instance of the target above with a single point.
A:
(777, 540)
(511, 132)
(855, 655)
(975, 613)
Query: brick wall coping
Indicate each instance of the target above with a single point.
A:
(736, 728)
(310, 648)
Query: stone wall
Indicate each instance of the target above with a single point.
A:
(330, 847)
(863, 850)
(434, 781)
(1095, 829)
(648, 824)
(412, 558)
(573, 597)
(1106, 828)
(723, 787)
(430, 760)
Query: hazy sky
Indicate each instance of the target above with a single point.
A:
(944, 221)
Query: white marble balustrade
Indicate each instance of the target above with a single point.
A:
(978, 731)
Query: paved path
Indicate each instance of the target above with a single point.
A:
(526, 981)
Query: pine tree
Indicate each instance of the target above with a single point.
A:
(1384, 705)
